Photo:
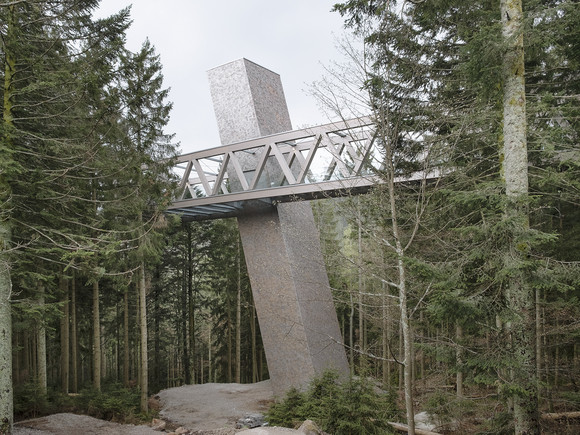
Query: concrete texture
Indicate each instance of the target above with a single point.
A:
(248, 101)
(312, 289)
(290, 286)
(292, 295)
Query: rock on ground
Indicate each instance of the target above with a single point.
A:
(307, 428)
(213, 406)
(66, 424)
(269, 431)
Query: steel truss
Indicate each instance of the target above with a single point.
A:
(329, 160)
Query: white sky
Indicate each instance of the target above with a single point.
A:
(295, 39)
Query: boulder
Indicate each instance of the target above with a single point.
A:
(309, 428)
(158, 424)
(251, 421)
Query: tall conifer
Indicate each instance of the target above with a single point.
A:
(148, 152)
(44, 147)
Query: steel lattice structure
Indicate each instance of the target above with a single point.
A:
(329, 160)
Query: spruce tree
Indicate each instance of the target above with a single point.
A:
(44, 147)
(148, 153)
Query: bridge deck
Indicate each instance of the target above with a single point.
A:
(329, 160)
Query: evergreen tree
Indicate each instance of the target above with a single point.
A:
(46, 83)
(148, 153)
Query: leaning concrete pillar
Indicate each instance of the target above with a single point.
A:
(281, 244)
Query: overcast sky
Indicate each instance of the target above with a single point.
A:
(295, 39)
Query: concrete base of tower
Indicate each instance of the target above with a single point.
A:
(292, 295)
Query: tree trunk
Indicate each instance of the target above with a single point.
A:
(73, 337)
(157, 337)
(26, 356)
(126, 338)
(6, 401)
(459, 360)
(209, 354)
(538, 340)
(144, 381)
(6, 392)
(64, 336)
(351, 334)
(187, 275)
(556, 365)
(41, 373)
(361, 311)
(184, 316)
(239, 318)
(33, 348)
(400, 353)
(96, 337)
(191, 323)
(192, 341)
(386, 339)
(136, 360)
(422, 357)
(515, 170)
(407, 333)
(408, 347)
(104, 366)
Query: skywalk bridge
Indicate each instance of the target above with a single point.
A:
(325, 161)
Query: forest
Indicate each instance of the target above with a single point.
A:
(457, 293)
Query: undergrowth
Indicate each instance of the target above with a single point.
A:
(114, 403)
(353, 407)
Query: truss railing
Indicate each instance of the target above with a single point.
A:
(327, 160)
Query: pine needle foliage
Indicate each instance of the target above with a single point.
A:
(353, 407)
(114, 403)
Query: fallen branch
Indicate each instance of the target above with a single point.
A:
(404, 428)
(559, 415)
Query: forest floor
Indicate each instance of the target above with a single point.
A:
(209, 409)
(214, 409)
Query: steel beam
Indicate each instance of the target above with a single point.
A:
(310, 161)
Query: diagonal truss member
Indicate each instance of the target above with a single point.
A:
(328, 160)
